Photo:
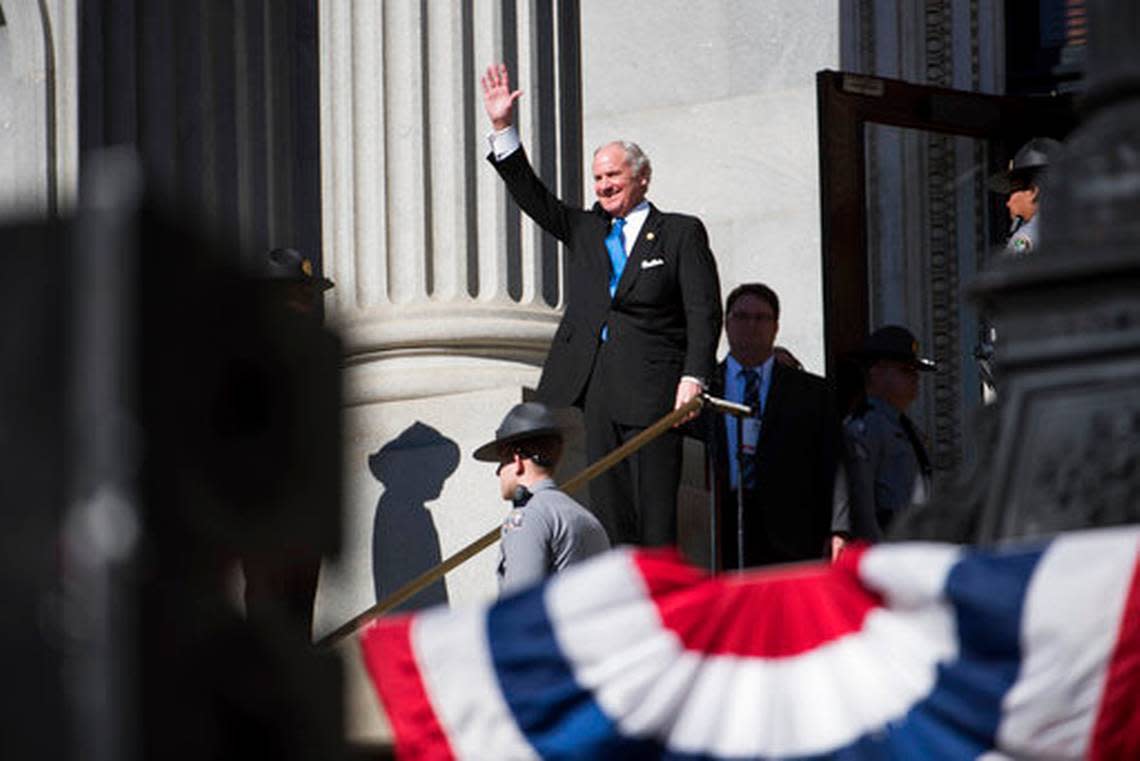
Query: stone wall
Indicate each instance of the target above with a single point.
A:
(721, 95)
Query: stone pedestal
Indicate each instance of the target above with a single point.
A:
(413, 496)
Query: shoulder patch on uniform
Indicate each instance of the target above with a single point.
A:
(856, 429)
(513, 520)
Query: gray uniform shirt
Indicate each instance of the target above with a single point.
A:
(883, 472)
(551, 531)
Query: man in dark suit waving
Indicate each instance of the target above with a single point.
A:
(789, 447)
(642, 320)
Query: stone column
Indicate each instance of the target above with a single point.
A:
(220, 102)
(445, 296)
(39, 94)
(440, 290)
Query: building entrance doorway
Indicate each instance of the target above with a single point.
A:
(908, 220)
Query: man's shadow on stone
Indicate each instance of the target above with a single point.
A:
(413, 468)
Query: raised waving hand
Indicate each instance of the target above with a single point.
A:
(498, 99)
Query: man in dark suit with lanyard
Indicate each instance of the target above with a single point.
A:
(638, 338)
(790, 446)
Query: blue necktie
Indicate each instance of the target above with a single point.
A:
(752, 399)
(615, 245)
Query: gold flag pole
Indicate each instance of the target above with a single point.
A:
(433, 574)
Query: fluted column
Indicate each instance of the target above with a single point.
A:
(441, 287)
(446, 295)
(39, 94)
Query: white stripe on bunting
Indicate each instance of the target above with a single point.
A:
(1069, 628)
(641, 676)
(603, 610)
(1019, 658)
(908, 575)
(454, 658)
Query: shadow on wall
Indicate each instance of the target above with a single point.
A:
(413, 468)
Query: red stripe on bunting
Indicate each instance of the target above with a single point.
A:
(388, 655)
(733, 614)
(1117, 731)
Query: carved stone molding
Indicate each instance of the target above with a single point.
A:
(1089, 474)
(942, 248)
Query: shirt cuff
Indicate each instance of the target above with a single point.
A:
(504, 142)
(699, 381)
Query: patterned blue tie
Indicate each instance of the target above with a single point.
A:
(615, 245)
(752, 399)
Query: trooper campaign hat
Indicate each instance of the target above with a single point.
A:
(1030, 160)
(288, 265)
(528, 420)
(894, 342)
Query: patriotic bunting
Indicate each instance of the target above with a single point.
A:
(920, 651)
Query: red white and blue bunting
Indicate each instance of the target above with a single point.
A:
(920, 651)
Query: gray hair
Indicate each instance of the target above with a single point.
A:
(634, 156)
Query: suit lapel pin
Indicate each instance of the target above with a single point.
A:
(650, 236)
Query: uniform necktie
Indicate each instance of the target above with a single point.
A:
(615, 245)
(752, 399)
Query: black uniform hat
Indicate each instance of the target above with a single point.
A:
(288, 265)
(525, 421)
(894, 342)
(1030, 160)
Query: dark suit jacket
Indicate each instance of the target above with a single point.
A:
(664, 320)
(796, 461)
